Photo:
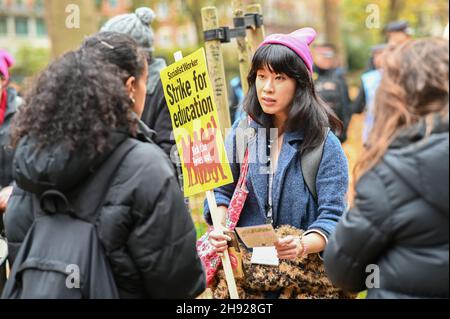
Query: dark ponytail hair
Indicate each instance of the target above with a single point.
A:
(77, 101)
(118, 49)
(308, 112)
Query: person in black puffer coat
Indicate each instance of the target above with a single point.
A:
(395, 240)
(142, 223)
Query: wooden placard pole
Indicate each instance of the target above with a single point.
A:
(217, 223)
(256, 35)
(229, 276)
(244, 50)
(216, 68)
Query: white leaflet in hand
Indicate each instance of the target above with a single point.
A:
(265, 256)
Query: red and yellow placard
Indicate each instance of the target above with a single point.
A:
(190, 98)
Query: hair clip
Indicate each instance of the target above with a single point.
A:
(107, 44)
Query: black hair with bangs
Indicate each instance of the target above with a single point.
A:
(308, 113)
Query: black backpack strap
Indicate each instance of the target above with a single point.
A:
(53, 201)
(43, 265)
(310, 163)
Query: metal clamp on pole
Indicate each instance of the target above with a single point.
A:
(239, 22)
(224, 34)
(237, 33)
(239, 27)
(253, 20)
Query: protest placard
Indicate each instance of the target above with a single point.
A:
(190, 98)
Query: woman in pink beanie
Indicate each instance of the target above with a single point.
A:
(282, 99)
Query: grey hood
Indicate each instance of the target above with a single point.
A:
(153, 74)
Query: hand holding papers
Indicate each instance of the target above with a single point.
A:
(262, 239)
(257, 236)
(265, 256)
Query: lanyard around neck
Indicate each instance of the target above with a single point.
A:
(270, 175)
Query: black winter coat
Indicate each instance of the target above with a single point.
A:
(156, 113)
(332, 87)
(142, 222)
(399, 222)
(6, 153)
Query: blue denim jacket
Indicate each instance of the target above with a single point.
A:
(293, 204)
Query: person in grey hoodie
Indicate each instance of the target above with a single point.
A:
(156, 113)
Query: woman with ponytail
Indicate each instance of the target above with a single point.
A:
(88, 146)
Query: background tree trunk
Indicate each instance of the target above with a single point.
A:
(194, 8)
(395, 8)
(142, 3)
(331, 11)
(65, 37)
